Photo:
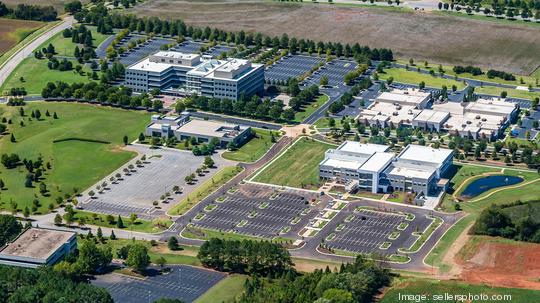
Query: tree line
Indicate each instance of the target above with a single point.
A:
(253, 257)
(354, 282)
(99, 16)
(495, 221)
(29, 12)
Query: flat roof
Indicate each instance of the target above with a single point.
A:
(340, 163)
(149, 66)
(175, 55)
(410, 172)
(362, 148)
(410, 96)
(37, 243)
(424, 154)
(210, 128)
(433, 116)
(377, 162)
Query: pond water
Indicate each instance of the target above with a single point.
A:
(482, 185)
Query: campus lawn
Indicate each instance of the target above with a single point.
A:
(76, 164)
(187, 255)
(227, 290)
(139, 225)
(298, 166)
(448, 70)
(516, 93)
(205, 189)
(310, 108)
(411, 76)
(521, 191)
(429, 287)
(36, 75)
(255, 148)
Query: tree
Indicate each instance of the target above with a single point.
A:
(324, 80)
(9, 228)
(137, 257)
(12, 138)
(119, 222)
(125, 139)
(141, 137)
(57, 220)
(161, 261)
(133, 218)
(112, 236)
(99, 234)
(172, 243)
(208, 161)
(91, 258)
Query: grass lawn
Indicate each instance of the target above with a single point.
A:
(206, 234)
(75, 164)
(516, 93)
(298, 166)
(205, 189)
(254, 149)
(448, 70)
(310, 108)
(227, 290)
(36, 75)
(325, 123)
(139, 225)
(523, 192)
(411, 76)
(418, 286)
(188, 254)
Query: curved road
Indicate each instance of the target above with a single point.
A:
(10, 65)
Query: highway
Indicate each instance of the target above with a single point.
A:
(10, 65)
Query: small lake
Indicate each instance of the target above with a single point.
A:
(482, 185)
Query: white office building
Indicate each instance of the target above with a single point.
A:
(183, 74)
(371, 167)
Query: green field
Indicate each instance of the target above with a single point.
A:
(139, 225)
(298, 166)
(411, 76)
(254, 149)
(36, 74)
(516, 93)
(205, 189)
(225, 291)
(188, 254)
(431, 288)
(309, 109)
(518, 212)
(75, 164)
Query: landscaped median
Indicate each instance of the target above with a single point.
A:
(394, 258)
(193, 232)
(109, 221)
(202, 191)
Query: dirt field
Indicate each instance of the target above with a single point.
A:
(500, 262)
(421, 35)
(58, 4)
(12, 31)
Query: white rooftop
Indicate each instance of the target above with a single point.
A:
(378, 161)
(410, 172)
(176, 55)
(408, 96)
(425, 154)
(362, 148)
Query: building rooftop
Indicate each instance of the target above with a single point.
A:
(424, 154)
(37, 243)
(149, 66)
(410, 172)
(362, 148)
(211, 128)
(432, 116)
(176, 55)
(377, 162)
(409, 96)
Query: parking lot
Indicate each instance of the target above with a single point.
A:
(188, 46)
(366, 230)
(527, 125)
(135, 192)
(218, 50)
(264, 210)
(183, 282)
(335, 71)
(143, 50)
(291, 66)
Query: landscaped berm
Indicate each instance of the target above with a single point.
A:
(298, 166)
(78, 144)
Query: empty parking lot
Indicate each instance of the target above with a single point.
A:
(143, 50)
(335, 71)
(135, 192)
(259, 210)
(364, 231)
(183, 282)
(291, 66)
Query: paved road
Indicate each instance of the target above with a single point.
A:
(28, 50)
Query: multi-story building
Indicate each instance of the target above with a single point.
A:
(181, 74)
(372, 168)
